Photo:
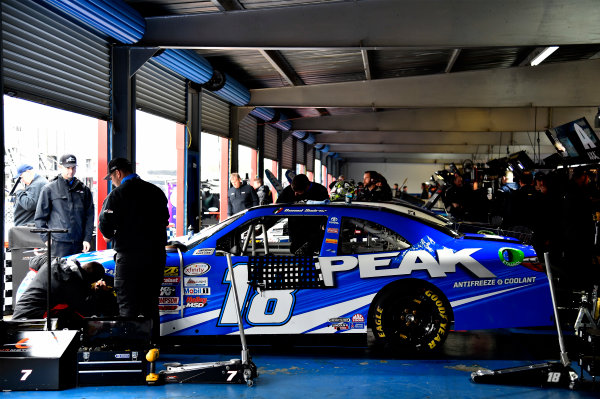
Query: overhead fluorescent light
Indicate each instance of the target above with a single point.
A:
(543, 55)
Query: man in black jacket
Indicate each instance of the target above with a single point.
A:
(135, 217)
(71, 285)
(66, 203)
(26, 200)
(241, 196)
(306, 233)
(303, 189)
(263, 192)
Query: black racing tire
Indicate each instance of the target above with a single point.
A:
(410, 316)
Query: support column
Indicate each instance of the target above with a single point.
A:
(260, 143)
(194, 164)
(234, 136)
(122, 140)
(253, 159)
(180, 206)
(103, 159)
(224, 177)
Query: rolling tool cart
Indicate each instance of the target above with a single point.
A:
(113, 351)
(234, 371)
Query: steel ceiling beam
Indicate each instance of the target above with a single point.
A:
(551, 85)
(432, 138)
(282, 66)
(435, 148)
(448, 120)
(376, 24)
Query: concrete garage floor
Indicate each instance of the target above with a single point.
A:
(343, 372)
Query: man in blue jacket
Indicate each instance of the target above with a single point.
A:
(26, 200)
(66, 203)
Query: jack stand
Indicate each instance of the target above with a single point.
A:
(234, 371)
(550, 374)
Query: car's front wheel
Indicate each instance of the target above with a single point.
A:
(409, 315)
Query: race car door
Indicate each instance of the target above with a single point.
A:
(292, 236)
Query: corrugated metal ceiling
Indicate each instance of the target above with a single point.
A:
(253, 69)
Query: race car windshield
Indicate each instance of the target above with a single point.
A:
(193, 240)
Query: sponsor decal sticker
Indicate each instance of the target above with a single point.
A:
(168, 300)
(196, 269)
(334, 220)
(171, 271)
(197, 291)
(195, 302)
(358, 318)
(204, 251)
(168, 309)
(331, 240)
(122, 356)
(171, 281)
(340, 320)
(340, 326)
(167, 291)
(511, 256)
(381, 265)
(198, 281)
(332, 230)
(358, 325)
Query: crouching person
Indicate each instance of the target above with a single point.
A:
(72, 289)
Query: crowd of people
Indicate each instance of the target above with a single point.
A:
(556, 210)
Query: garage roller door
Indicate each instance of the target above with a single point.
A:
(215, 114)
(248, 127)
(310, 159)
(287, 153)
(270, 142)
(161, 92)
(48, 57)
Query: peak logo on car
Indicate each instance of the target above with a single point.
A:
(380, 265)
(196, 269)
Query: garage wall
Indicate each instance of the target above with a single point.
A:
(394, 173)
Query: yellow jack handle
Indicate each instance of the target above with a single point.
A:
(152, 378)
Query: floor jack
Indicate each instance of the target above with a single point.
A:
(234, 371)
(549, 374)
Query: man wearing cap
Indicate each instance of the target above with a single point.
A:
(66, 203)
(240, 195)
(26, 200)
(135, 217)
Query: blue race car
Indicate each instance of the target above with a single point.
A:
(396, 270)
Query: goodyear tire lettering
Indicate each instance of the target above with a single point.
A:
(415, 317)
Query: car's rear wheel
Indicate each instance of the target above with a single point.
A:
(410, 316)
